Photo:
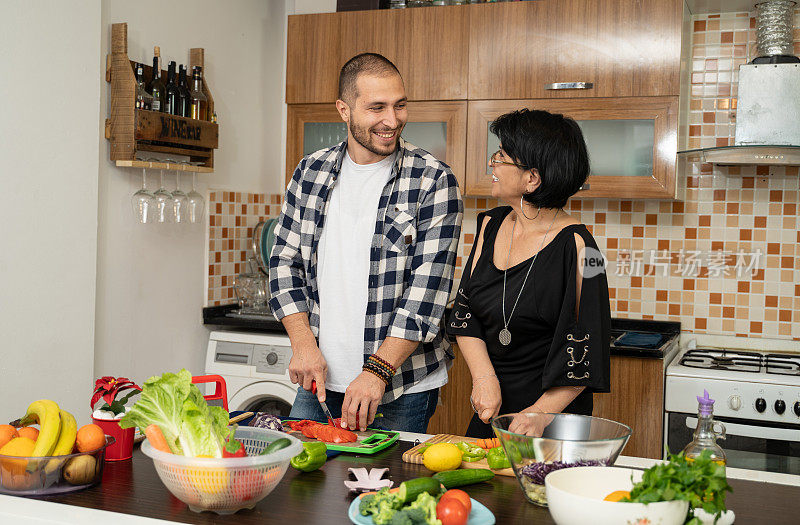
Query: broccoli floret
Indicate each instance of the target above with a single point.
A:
(416, 515)
(384, 515)
(401, 517)
(366, 505)
(427, 505)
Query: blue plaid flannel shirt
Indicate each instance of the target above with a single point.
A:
(411, 263)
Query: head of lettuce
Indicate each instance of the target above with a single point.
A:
(190, 426)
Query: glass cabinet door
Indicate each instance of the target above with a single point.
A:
(437, 127)
(631, 143)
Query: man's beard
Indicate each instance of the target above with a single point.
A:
(364, 136)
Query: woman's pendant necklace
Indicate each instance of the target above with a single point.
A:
(505, 333)
(505, 337)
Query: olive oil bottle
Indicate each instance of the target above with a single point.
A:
(705, 435)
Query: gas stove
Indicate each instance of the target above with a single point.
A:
(761, 386)
(757, 395)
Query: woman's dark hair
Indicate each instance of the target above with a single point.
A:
(552, 144)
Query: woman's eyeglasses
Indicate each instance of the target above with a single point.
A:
(495, 160)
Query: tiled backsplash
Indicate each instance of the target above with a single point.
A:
(232, 217)
(724, 260)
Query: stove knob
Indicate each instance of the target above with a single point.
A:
(761, 405)
(780, 406)
(735, 402)
(797, 408)
(272, 358)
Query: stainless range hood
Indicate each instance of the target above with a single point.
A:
(768, 105)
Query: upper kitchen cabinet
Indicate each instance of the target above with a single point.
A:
(575, 48)
(631, 145)
(428, 46)
(437, 127)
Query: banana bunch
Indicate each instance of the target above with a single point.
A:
(57, 428)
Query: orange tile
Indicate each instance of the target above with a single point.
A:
(756, 327)
(715, 298)
(674, 309)
(705, 220)
(700, 323)
(743, 287)
(600, 218)
(688, 284)
(661, 295)
(745, 235)
(760, 222)
(709, 117)
(773, 248)
(699, 25)
(785, 316)
(690, 233)
(728, 312)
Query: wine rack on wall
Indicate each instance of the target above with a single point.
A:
(132, 130)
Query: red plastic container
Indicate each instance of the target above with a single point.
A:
(123, 447)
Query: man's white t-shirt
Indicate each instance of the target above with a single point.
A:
(343, 264)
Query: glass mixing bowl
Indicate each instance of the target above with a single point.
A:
(541, 443)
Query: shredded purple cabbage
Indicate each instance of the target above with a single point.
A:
(536, 472)
(264, 420)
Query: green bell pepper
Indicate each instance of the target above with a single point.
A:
(313, 456)
(497, 459)
(470, 453)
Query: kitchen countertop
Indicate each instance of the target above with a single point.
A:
(132, 492)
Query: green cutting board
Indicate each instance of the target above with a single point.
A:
(369, 441)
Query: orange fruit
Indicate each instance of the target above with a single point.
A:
(617, 495)
(90, 437)
(29, 432)
(20, 446)
(7, 432)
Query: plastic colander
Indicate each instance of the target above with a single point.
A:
(225, 485)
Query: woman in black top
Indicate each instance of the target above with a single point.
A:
(532, 315)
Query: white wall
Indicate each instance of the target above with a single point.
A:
(50, 68)
(150, 279)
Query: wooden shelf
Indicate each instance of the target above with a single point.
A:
(132, 130)
(170, 166)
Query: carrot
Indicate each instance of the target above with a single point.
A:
(396, 489)
(156, 438)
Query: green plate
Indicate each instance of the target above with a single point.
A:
(370, 441)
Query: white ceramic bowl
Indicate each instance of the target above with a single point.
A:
(575, 497)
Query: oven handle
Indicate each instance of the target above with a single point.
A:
(733, 429)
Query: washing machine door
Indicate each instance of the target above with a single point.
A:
(272, 397)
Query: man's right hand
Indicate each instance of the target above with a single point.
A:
(307, 365)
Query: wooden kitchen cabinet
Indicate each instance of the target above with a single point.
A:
(637, 400)
(625, 48)
(455, 412)
(428, 46)
(438, 127)
(631, 142)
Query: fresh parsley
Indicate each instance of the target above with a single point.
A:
(700, 481)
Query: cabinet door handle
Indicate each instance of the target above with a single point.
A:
(586, 186)
(570, 85)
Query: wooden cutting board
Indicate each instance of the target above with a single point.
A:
(414, 455)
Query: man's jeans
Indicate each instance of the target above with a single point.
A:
(408, 413)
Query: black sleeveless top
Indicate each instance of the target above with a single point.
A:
(549, 347)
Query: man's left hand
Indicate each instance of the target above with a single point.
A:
(361, 400)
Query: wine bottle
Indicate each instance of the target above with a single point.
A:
(171, 92)
(157, 90)
(144, 100)
(199, 103)
(184, 94)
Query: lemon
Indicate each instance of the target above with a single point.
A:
(442, 456)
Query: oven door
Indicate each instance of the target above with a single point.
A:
(748, 444)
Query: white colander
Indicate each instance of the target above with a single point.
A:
(225, 485)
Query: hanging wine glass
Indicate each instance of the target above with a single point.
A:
(144, 202)
(196, 203)
(163, 202)
(180, 201)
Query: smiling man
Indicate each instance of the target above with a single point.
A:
(363, 263)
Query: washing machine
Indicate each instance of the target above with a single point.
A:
(255, 367)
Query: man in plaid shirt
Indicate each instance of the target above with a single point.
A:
(363, 262)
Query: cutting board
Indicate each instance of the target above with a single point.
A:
(414, 455)
(369, 441)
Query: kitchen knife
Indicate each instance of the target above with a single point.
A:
(323, 405)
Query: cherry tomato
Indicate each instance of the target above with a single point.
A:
(451, 512)
(461, 496)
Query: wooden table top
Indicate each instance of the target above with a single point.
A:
(133, 487)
